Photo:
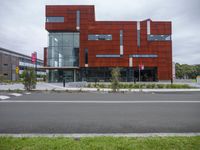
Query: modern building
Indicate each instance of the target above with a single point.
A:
(10, 61)
(83, 49)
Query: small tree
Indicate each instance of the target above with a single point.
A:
(115, 79)
(29, 79)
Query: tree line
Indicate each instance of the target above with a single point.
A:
(185, 71)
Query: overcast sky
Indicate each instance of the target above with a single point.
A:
(22, 22)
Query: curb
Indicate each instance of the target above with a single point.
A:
(106, 90)
(75, 135)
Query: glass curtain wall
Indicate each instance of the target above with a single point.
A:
(63, 50)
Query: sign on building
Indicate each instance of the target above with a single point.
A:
(17, 70)
(34, 57)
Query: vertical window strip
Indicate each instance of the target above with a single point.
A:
(138, 34)
(86, 56)
(130, 62)
(121, 42)
(78, 19)
(148, 27)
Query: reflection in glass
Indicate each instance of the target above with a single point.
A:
(63, 50)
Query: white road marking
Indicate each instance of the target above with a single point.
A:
(4, 97)
(16, 94)
(104, 134)
(94, 102)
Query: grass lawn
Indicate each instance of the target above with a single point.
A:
(100, 143)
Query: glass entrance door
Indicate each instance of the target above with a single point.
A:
(68, 75)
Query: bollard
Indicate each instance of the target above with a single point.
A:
(171, 80)
(63, 82)
(134, 80)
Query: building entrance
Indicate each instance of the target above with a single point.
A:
(59, 75)
(68, 75)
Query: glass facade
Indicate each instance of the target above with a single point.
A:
(129, 74)
(63, 50)
(58, 75)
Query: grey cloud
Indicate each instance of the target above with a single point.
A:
(22, 22)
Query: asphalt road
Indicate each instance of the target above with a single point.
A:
(123, 113)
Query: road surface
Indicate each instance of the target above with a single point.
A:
(47, 112)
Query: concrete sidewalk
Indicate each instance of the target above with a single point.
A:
(42, 86)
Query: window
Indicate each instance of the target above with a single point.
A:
(5, 64)
(138, 38)
(100, 37)
(86, 56)
(108, 56)
(121, 37)
(144, 56)
(121, 42)
(148, 27)
(5, 74)
(54, 19)
(78, 19)
(159, 37)
(138, 34)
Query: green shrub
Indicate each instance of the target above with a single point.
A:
(115, 79)
(153, 86)
(142, 86)
(136, 86)
(160, 86)
(179, 86)
(124, 86)
(89, 85)
(130, 86)
(185, 86)
(168, 86)
(150, 86)
(29, 79)
(102, 86)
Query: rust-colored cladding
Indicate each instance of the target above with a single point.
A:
(88, 25)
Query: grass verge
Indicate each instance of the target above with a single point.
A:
(100, 143)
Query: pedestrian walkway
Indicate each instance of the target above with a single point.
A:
(82, 86)
(44, 86)
(16, 86)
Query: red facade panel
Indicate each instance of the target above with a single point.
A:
(88, 25)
